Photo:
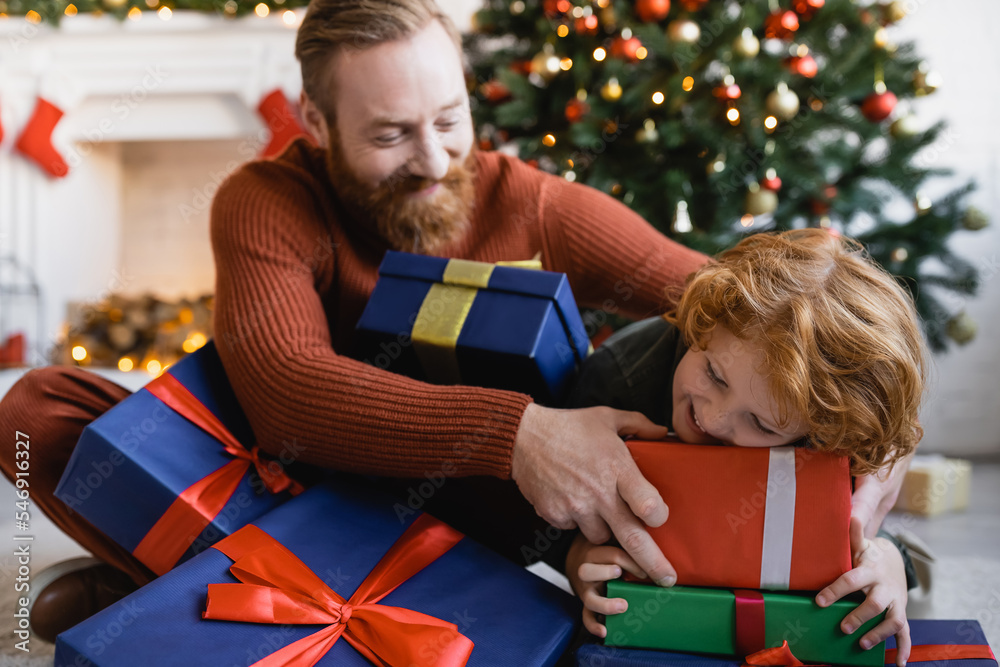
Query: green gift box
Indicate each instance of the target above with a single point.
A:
(704, 620)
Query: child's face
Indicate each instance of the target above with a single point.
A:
(720, 395)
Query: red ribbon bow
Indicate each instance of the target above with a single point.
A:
(279, 588)
(201, 502)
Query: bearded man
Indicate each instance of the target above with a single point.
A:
(297, 244)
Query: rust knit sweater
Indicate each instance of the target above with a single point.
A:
(294, 273)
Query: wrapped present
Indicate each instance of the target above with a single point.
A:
(164, 473)
(462, 322)
(940, 642)
(743, 517)
(335, 577)
(736, 623)
(935, 484)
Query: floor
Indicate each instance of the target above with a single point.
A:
(966, 574)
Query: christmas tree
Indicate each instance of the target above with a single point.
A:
(714, 119)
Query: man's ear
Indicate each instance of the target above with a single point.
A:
(315, 120)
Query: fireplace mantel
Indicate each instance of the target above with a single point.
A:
(192, 78)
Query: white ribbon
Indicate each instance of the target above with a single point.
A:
(779, 520)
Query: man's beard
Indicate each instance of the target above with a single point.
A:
(413, 224)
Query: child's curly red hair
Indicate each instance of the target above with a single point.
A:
(841, 338)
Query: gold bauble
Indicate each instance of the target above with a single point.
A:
(746, 45)
(683, 31)
(974, 219)
(894, 12)
(961, 328)
(782, 102)
(545, 64)
(905, 127)
(760, 201)
(612, 90)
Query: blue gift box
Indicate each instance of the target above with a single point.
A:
(132, 462)
(340, 529)
(922, 633)
(460, 322)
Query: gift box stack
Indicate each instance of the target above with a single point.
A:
(752, 543)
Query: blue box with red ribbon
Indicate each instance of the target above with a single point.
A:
(172, 469)
(461, 322)
(334, 577)
(953, 643)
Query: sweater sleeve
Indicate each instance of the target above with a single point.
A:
(303, 399)
(615, 260)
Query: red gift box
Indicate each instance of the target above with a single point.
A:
(743, 517)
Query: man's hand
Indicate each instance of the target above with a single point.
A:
(874, 496)
(574, 468)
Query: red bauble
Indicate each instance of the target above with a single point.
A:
(781, 24)
(773, 184)
(554, 8)
(625, 48)
(878, 106)
(730, 92)
(485, 144)
(807, 8)
(652, 10)
(522, 67)
(693, 5)
(586, 25)
(803, 65)
(576, 110)
(494, 91)
(822, 206)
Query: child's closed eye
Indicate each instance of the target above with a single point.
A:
(712, 375)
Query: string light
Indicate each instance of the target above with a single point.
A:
(125, 364)
(566, 64)
(770, 122)
(734, 116)
(33, 17)
(549, 140)
(289, 18)
(165, 13)
(194, 342)
(562, 30)
(135, 13)
(70, 10)
(600, 54)
(658, 97)
(261, 10)
(79, 352)
(688, 83)
(153, 367)
(746, 220)
(641, 53)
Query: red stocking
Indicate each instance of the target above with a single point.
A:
(35, 141)
(281, 120)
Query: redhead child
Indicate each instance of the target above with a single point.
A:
(789, 338)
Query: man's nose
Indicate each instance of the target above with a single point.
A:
(431, 160)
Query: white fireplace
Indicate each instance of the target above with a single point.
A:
(157, 114)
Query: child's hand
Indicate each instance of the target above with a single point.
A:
(879, 572)
(588, 566)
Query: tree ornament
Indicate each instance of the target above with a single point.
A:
(893, 12)
(925, 81)
(821, 206)
(683, 31)
(922, 204)
(556, 8)
(493, 91)
(648, 133)
(974, 219)
(728, 91)
(626, 48)
(651, 11)
(781, 24)
(905, 127)
(545, 64)
(586, 25)
(760, 201)
(746, 45)
(681, 223)
(807, 8)
(899, 255)
(782, 102)
(802, 65)
(693, 5)
(961, 328)
(612, 90)
(878, 106)
(576, 109)
(771, 181)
